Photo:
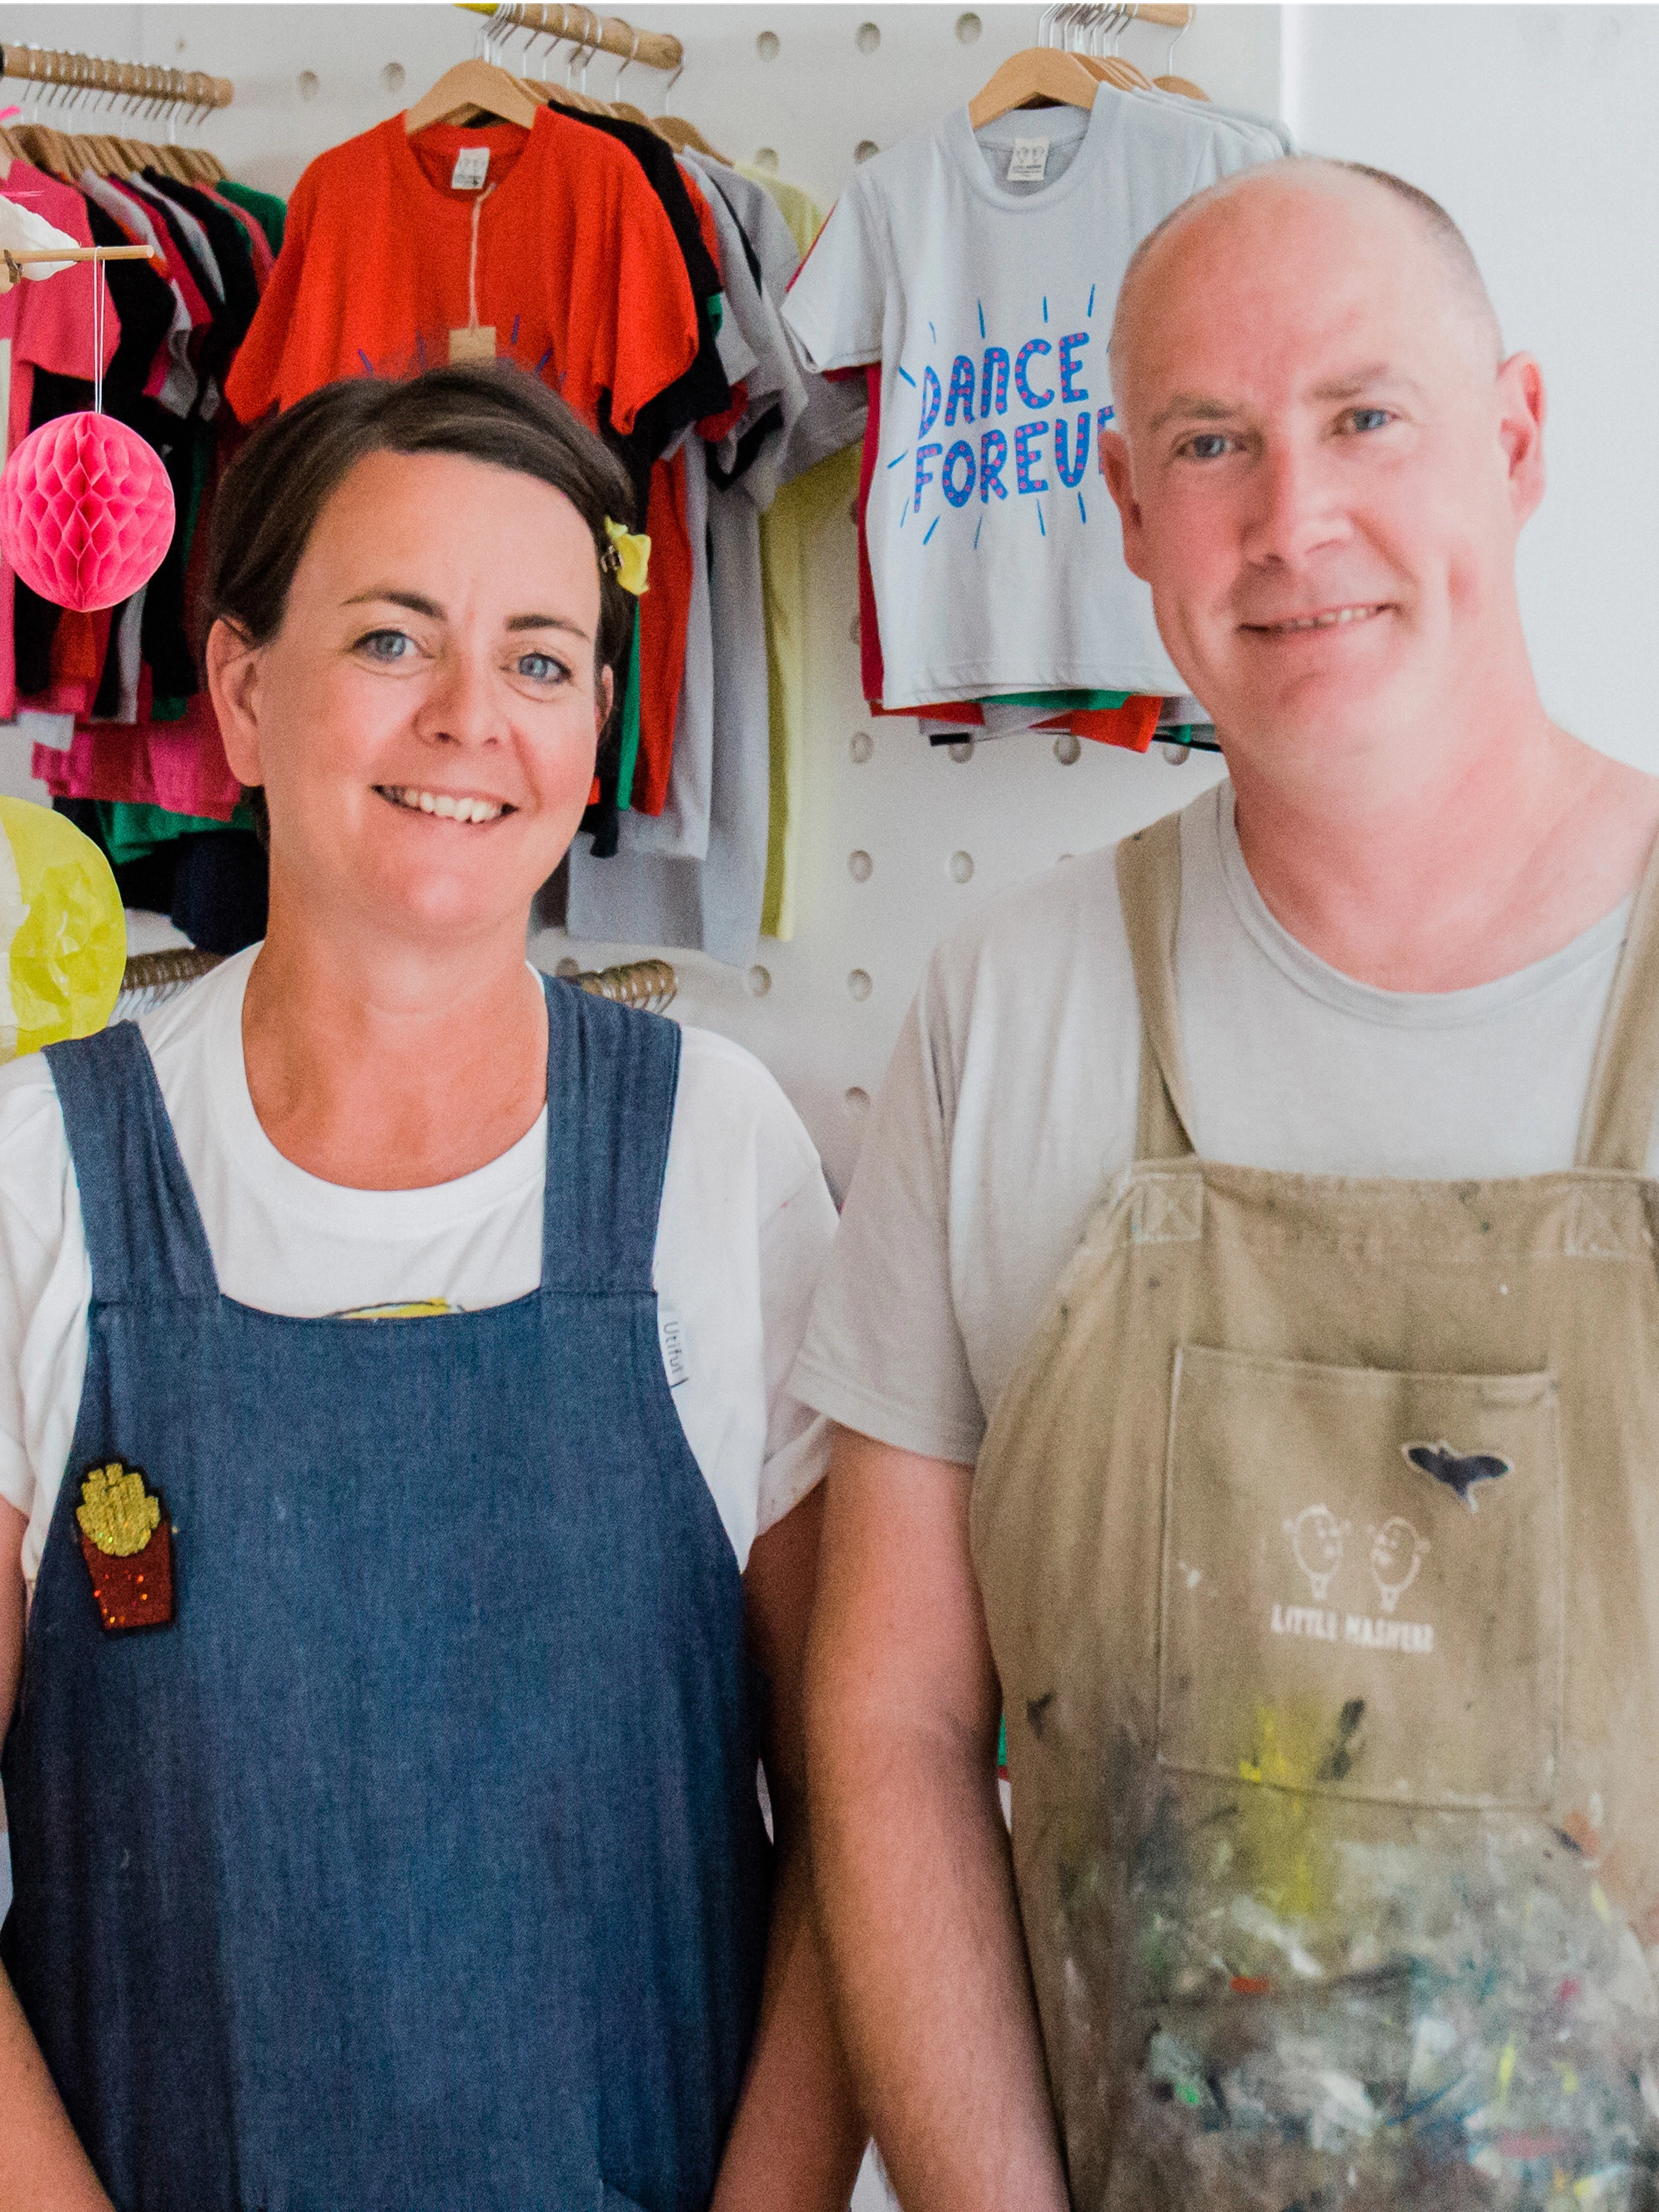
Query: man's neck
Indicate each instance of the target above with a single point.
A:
(1455, 867)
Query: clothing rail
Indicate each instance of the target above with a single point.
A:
(140, 83)
(582, 27)
(151, 978)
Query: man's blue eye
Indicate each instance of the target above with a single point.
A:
(1208, 446)
(1369, 418)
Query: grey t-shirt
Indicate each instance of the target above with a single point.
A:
(1009, 1105)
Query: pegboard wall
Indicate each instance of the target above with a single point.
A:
(902, 839)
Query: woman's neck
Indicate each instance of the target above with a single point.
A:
(383, 1066)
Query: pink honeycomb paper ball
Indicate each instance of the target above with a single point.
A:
(85, 512)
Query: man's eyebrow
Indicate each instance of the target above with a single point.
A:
(418, 604)
(1358, 380)
(1194, 407)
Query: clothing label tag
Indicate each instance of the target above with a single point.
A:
(673, 1345)
(471, 169)
(1028, 162)
(476, 344)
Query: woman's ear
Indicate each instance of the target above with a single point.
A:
(233, 674)
(604, 698)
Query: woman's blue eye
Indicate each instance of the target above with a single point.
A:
(386, 644)
(540, 667)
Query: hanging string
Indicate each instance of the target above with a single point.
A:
(99, 293)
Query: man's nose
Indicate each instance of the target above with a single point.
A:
(1296, 508)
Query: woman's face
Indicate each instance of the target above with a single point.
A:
(424, 722)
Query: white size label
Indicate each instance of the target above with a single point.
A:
(471, 169)
(1028, 162)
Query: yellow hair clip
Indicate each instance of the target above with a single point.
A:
(627, 558)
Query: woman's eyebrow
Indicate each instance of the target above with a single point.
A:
(418, 604)
(547, 622)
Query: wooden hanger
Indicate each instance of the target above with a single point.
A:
(1036, 75)
(470, 87)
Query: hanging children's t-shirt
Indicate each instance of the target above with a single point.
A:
(981, 270)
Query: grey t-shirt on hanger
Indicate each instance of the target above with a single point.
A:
(1009, 1105)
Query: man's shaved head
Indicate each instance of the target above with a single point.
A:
(1302, 173)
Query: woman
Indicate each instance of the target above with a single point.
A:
(382, 1788)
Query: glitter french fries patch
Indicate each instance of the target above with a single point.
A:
(127, 1546)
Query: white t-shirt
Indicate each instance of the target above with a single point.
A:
(1010, 1103)
(745, 1223)
(994, 547)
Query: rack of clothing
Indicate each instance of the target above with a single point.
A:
(123, 734)
(968, 275)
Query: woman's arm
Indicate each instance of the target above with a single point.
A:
(42, 2167)
(798, 2137)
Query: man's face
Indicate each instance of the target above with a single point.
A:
(1326, 469)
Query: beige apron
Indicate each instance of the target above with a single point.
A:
(1319, 1537)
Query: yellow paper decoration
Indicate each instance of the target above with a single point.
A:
(63, 933)
(115, 1512)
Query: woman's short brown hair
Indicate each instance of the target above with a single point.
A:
(283, 477)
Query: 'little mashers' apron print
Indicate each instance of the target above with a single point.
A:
(382, 1793)
(1319, 1535)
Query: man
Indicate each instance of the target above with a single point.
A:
(1291, 1460)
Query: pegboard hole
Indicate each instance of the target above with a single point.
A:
(852, 629)
(567, 967)
(1177, 755)
(969, 27)
(766, 157)
(767, 46)
(1066, 856)
(858, 1099)
(860, 866)
(860, 746)
(859, 985)
(307, 84)
(963, 750)
(866, 150)
(759, 980)
(394, 76)
(1068, 747)
(961, 867)
(867, 38)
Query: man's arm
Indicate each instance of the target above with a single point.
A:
(914, 1877)
(798, 2138)
(42, 2167)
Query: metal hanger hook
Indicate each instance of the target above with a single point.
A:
(669, 87)
(626, 65)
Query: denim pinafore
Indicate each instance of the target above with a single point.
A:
(416, 1866)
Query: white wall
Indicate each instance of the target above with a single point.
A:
(1533, 126)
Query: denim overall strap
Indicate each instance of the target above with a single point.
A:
(604, 1174)
(139, 1210)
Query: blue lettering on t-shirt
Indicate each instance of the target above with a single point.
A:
(930, 400)
(962, 391)
(993, 452)
(995, 358)
(1073, 475)
(1021, 384)
(1070, 390)
(924, 474)
(958, 494)
(1023, 456)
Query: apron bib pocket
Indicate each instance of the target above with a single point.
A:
(1362, 1581)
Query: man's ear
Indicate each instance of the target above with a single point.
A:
(233, 674)
(1118, 470)
(1523, 405)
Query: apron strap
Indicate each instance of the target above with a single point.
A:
(612, 1074)
(1149, 891)
(143, 1230)
(1623, 1085)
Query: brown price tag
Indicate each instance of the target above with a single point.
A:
(478, 343)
